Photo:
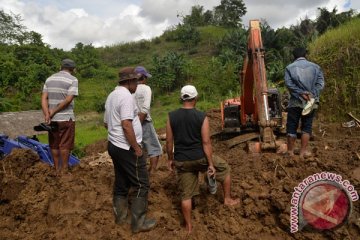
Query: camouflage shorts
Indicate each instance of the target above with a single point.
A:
(188, 174)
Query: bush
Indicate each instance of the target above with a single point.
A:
(171, 34)
(157, 40)
(188, 35)
(169, 71)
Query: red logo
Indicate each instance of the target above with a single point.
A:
(325, 206)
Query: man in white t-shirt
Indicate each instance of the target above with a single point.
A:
(125, 137)
(143, 101)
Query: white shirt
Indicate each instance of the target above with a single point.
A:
(143, 99)
(120, 105)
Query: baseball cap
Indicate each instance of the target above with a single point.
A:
(128, 73)
(188, 92)
(143, 71)
(68, 63)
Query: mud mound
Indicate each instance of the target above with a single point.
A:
(98, 147)
(46, 207)
(16, 170)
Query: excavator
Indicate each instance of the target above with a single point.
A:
(258, 108)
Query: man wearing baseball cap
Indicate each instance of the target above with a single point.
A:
(189, 151)
(143, 101)
(57, 102)
(124, 146)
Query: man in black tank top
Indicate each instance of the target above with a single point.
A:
(190, 152)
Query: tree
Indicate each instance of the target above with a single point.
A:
(11, 29)
(208, 17)
(169, 71)
(233, 47)
(196, 17)
(267, 34)
(327, 20)
(188, 35)
(34, 38)
(87, 59)
(229, 13)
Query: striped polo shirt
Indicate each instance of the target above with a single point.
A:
(58, 86)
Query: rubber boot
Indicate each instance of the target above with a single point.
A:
(305, 137)
(120, 205)
(139, 222)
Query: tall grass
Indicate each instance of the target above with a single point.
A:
(338, 53)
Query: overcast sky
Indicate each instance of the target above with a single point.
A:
(104, 22)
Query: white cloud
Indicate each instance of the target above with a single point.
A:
(172, 10)
(64, 23)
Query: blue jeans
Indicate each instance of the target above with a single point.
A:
(293, 118)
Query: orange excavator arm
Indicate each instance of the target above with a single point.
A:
(258, 107)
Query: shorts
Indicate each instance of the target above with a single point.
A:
(188, 174)
(293, 118)
(63, 136)
(150, 140)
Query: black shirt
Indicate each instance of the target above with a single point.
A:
(186, 127)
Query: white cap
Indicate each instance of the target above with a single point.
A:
(188, 92)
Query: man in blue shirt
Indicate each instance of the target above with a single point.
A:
(304, 81)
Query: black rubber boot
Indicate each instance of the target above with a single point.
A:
(139, 223)
(120, 205)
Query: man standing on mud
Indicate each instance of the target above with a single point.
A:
(143, 101)
(57, 103)
(188, 130)
(304, 81)
(125, 135)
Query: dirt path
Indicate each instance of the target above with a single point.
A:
(36, 205)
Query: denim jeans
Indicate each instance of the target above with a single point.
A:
(293, 118)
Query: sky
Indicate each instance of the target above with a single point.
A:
(63, 23)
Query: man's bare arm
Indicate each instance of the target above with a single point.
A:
(169, 144)
(142, 116)
(45, 106)
(130, 136)
(64, 104)
(205, 135)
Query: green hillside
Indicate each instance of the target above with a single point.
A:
(200, 68)
(338, 53)
(202, 50)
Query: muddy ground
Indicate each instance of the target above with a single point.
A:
(34, 204)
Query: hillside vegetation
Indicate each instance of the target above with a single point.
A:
(206, 49)
(338, 53)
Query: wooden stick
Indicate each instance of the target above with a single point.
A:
(353, 117)
(3, 165)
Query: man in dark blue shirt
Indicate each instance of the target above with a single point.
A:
(304, 81)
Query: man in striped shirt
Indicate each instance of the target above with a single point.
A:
(57, 103)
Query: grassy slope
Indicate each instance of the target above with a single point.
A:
(94, 91)
(338, 53)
